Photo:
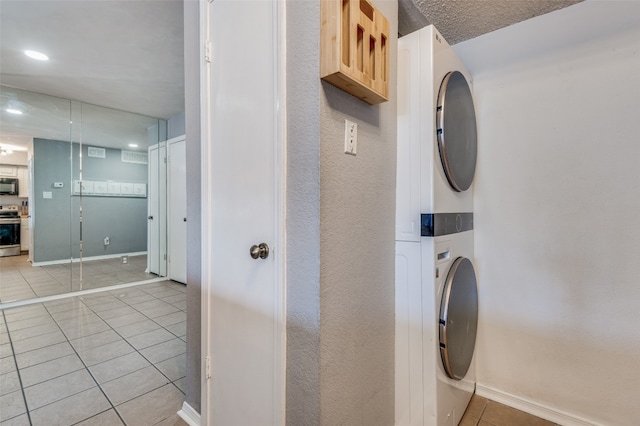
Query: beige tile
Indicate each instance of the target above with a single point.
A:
(106, 418)
(164, 350)
(93, 356)
(179, 329)
(174, 420)
(468, 421)
(118, 367)
(48, 353)
(59, 388)
(125, 320)
(476, 406)
(133, 385)
(11, 405)
(50, 370)
(33, 343)
(141, 341)
(5, 350)
(83, 330)
(174, 368)
(170, 319)
(181, 384)
(94, 340)
(137, 328)
(153, 407)
(117, 312)
(37, 330)
(21, 420)
(30, 311)
(31, 322)
(9, 382)
(501, 415)
(71, 410)
(7, 365)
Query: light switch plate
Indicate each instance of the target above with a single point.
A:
(350, 137)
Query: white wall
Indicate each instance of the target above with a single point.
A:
(557, 212)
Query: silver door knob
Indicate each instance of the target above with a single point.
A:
(260, 251)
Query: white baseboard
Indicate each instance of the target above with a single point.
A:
(534, 408)
(86, 259)
(189, 415)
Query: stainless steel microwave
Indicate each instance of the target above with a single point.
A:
(8, 186)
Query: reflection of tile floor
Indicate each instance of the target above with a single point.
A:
(485, 412)
(109, 358)
(20, 280)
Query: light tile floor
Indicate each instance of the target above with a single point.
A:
(21, 280)
(110, 358)
(485, 412)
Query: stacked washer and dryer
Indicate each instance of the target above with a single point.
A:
(436, 292)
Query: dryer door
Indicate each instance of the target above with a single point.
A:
(458, 318)
(456, 131)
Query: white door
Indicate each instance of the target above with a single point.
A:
(177, 206)
(156, 208)
(243, 298)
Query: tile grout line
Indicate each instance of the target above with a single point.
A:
(88, 371)
(136, 349)
(15, 362)
(102, 320)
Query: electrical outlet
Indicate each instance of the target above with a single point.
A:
(350, 137)
(124, 259)
(106, 241)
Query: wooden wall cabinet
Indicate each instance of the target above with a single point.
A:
(354, 49)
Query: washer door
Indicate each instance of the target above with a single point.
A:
(456, 131)
(458, 318)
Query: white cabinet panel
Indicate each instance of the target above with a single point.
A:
(23, 182)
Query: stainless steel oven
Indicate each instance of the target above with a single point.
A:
(9, 230)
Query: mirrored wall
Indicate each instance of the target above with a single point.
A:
(88, 199)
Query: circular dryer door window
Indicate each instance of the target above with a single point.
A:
(456, 131)
(458, 318)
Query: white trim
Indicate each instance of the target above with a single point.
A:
(534, 408)
(189, 415)
(205, 208)
(87, 259)
(280, 184)
(77, 293)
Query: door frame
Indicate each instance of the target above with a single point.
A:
(278, 180)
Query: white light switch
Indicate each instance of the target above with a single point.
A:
(350, 137)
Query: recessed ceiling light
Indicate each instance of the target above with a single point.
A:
(36, 55)
(133, 145)
(14, 111)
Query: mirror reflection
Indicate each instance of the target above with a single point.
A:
(80, 214)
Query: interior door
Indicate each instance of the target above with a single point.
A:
(156, 206)
(243, 298)
(177, 206)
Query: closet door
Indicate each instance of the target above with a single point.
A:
(177, 206)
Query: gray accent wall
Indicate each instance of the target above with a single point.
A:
(56, 220)
(340, 240)
(192, 132)
(176, 126)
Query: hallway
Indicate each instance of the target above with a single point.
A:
(109, 358)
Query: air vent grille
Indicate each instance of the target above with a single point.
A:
(92, 151)
(135, 157)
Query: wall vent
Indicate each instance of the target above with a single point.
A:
(92, 151)
(135, 157)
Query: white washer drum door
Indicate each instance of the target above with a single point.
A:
(458, 318)
(456, 131)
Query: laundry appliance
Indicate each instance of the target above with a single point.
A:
(436, 290)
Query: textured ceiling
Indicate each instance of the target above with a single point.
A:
(460, 20)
